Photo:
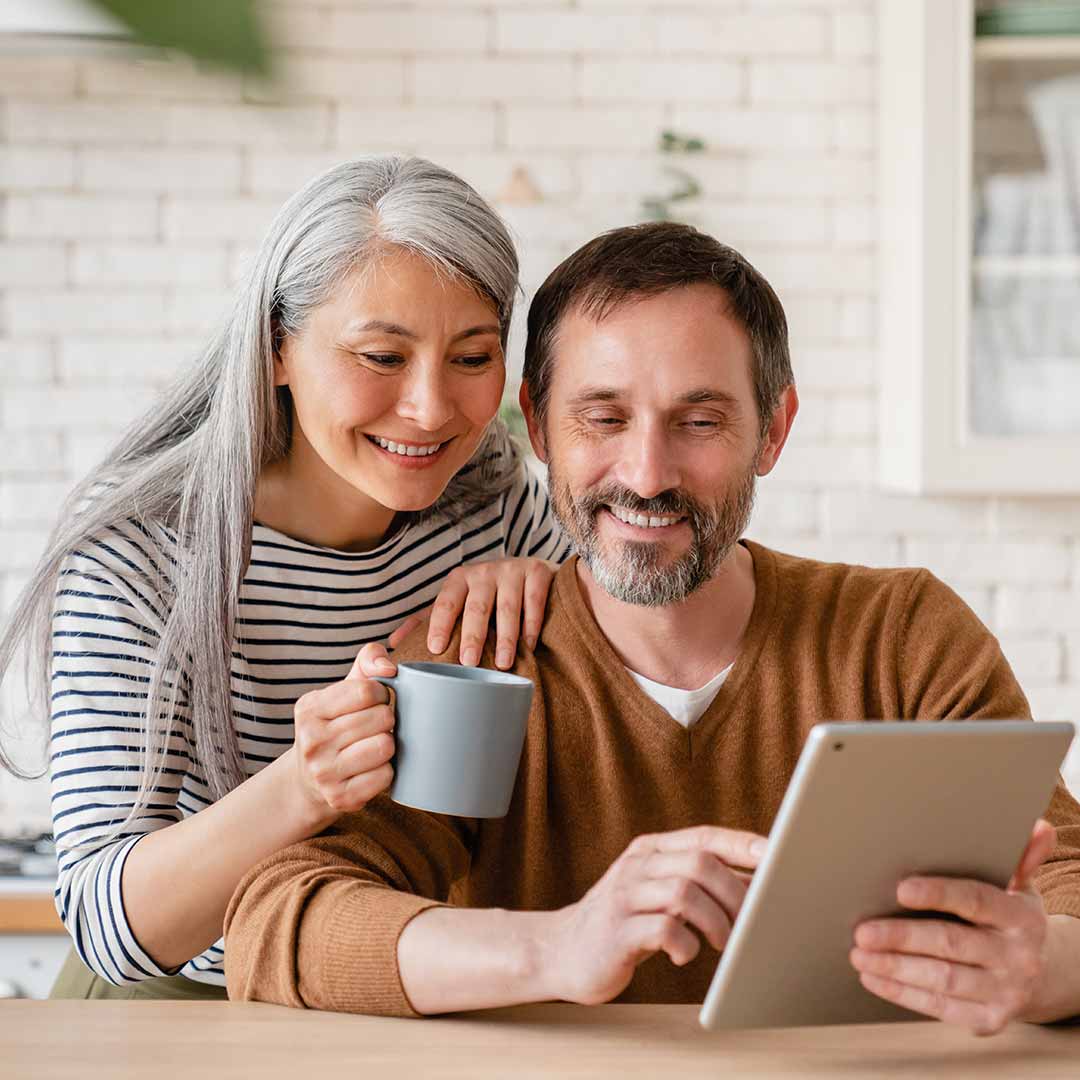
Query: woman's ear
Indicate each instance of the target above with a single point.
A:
(282, 352)
(536, 431)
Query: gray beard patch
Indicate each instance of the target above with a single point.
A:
(640, 572)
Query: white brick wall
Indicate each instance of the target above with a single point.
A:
(133, 190)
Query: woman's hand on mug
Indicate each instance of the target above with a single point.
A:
(517, 590)
(344, 741)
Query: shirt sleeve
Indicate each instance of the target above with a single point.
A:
(952, 668)
(529, 525)
(107, 621)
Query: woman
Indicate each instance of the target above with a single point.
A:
(307, 487)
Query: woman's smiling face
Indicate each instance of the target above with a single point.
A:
(393, 380)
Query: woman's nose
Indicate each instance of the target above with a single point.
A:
(425, 401)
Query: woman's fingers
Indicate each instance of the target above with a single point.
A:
(402, 632)
(446, 609)
(363, 756)
(371, 660)
(508, 601)
(474, 620)
(537, 586)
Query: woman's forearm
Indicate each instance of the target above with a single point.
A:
(177, 881)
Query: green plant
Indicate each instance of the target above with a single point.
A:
(659, 207)
(223, 32)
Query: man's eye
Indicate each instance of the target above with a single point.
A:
(605, 421)
(702, 425)
(384, 359)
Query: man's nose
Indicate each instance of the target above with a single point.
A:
(648, 463)
(425, 399)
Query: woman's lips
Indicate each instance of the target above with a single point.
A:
(413, 461)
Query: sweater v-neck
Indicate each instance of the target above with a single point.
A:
(604, 665)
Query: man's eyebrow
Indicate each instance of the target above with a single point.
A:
(702, 396)
(595, 393)
(707, 395)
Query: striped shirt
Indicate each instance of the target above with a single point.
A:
(304, 613)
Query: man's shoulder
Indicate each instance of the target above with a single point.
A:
(813, 582)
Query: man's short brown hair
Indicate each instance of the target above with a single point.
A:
(645, 260)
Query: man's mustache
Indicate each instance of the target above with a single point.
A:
(665, 502)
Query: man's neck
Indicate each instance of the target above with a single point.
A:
(685, 644)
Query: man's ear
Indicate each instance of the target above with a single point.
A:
(779, 428)
(536, 431)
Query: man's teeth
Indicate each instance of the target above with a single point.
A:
(407, 451)
(642, 520)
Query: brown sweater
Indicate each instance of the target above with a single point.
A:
(317, 924)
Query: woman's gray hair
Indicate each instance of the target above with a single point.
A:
(192, 462)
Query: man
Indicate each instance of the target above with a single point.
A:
(677, 675)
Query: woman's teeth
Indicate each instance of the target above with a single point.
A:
(406, 451)
(643, 520)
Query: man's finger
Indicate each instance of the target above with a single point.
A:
(971, 983)
(1039, 846)
(975, 901)
(685, 900)
(981, 1019)
(703, 869)
(735, 847)
(937, 938)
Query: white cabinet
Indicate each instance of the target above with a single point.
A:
(979, 254)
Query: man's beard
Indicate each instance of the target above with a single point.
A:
(641, 572)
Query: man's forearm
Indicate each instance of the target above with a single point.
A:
(456, 959)
(1059, 997)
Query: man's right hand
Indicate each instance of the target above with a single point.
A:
(652, 898)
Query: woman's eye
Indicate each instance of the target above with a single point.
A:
(477, 361)
(383, 359)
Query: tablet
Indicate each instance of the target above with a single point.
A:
(868, 805)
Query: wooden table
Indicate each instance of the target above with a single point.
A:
(150, 1040)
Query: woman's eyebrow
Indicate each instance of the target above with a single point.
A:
(381, 326)
(475, 331)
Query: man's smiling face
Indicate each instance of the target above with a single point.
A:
(653, 438)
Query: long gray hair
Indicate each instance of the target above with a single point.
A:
(192, 462)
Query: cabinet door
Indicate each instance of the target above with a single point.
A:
(979, 250)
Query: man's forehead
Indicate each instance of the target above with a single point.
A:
(684, 344)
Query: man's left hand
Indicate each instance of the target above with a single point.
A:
(979, 976)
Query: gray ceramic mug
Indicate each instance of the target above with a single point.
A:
(459, 734)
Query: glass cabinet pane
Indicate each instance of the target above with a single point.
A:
(1024, 365)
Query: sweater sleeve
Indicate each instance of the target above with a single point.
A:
(317, 924)
(952, 668)
(107, 621)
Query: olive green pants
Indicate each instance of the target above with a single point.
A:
(76, 980)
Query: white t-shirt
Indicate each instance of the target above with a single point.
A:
(686, 706)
